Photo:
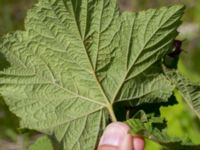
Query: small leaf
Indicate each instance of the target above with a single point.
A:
(43, 143)
(150, 128)
(189, 91)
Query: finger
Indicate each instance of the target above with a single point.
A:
(138, 143)
(116, 137)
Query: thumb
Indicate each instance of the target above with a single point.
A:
(116, 137)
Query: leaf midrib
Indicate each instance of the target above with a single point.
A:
(108, 105)
(106, 99)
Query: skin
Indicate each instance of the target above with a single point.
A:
(116, 137)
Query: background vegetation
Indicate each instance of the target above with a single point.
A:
(180, 121)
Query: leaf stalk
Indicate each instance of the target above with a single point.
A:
(112, 114)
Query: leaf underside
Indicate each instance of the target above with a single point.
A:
(77, 58)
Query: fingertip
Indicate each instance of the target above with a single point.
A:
(116, 137)
(138, 143)
(107, 147)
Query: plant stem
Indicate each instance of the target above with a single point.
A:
(112, 114)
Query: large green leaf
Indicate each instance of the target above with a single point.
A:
(79, 57)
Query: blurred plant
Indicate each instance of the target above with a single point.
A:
(12, 13)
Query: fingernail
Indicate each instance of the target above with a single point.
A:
(138, 143)
(114, 135)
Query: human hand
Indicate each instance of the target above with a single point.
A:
(116, 137)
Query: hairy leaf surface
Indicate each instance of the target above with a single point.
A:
(76, 58)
